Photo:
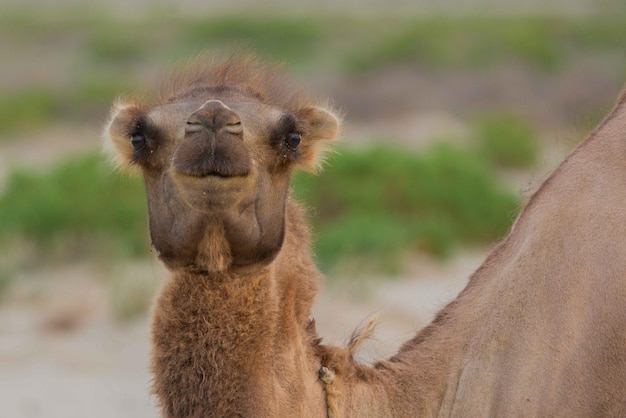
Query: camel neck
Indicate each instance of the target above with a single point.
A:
(205, 334)
(234, 345)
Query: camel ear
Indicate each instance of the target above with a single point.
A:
(117, 134)
(320, 129)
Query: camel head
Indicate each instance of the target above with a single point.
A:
(216, 154)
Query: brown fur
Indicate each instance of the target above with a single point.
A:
(244, 73)
(540, 330)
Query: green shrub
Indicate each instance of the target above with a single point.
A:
(106, 56)
(602, 33)
(543, 43)
(465, 43)
(381, 202)
(81, 208)
(276, 38)
(506, 141)
(26, 110)
(120, 45)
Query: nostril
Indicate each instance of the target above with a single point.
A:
(214, 117)
(193, 127)
(234, 128)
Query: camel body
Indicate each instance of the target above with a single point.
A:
(540, 329)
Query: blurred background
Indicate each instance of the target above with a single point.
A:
(455, 112)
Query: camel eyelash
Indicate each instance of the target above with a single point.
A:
(136, 127)
(287, 127)
(141, 139)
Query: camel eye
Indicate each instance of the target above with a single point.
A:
(293, 140)
(138, 141)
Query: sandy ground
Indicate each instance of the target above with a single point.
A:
(62, 355)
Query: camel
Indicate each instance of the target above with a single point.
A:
(539, 330)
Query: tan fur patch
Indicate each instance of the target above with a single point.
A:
(214, 250)
(116, 144)
(321, 129)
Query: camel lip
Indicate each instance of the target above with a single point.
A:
(212, 155)
(211, 175)
(211, 165)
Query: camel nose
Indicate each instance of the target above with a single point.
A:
(214, 116)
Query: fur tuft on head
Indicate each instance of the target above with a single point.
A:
(237, 71)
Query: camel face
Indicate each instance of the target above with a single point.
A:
(216, 155)
(216, 165)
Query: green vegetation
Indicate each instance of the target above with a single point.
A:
(506, 141)
(112, 55)
(465, 43)
(377, 204)
(121, 46)
(371, 207)
(275, 38)
(33, 109)
(79, 209)
(26, 110)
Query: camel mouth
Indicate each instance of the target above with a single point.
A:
(215, 169)
(205, 154)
